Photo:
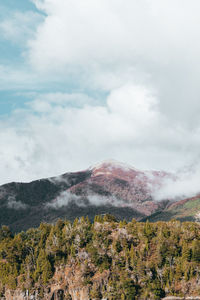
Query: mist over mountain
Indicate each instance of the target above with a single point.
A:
(108, 187)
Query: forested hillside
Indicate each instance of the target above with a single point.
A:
(105, 259)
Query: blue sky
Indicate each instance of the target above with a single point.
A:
(11, 5)
(81, 82)
(11, 54)
(13, 57)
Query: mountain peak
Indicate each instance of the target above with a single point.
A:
(112, 168)
(112, 164)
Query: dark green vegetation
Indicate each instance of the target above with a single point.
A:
(106, 259)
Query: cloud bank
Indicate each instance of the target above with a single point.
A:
(50, 137)
(66, 198)
(185, 185)
(111, 79)
(104, 45)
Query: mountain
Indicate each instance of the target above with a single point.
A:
(108, 187)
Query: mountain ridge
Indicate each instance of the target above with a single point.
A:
(107, 187)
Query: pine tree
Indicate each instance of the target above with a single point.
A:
(196, 251)
(148, 230)
(179, 272)
(123, 297)
(132, 256)
(43, 268)
(186, 252)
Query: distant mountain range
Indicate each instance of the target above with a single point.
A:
(109, 187)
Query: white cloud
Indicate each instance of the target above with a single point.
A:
(134, 103)
(17, 77)
(66, 198)
(12, 203)
(51, 137)
(19, 27)
(185, 185)
(107, 44)
(143, 54)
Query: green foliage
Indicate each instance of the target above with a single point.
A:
(133, 261)
(157, 290)
(127, 286)
(196, 251)
(43, 268)
(109, 218)
(186, 252)
(95, 293)
(5, 233)
(148, 230)
(117, 246)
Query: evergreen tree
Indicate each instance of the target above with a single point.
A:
(196, 251)
(186, 252)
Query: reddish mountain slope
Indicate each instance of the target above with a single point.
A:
(122, 185)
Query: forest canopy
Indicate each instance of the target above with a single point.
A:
(114, 260)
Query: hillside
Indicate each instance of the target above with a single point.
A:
(183, 210)
(109, 187)
(101, 260)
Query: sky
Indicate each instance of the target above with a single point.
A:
(86, 81)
